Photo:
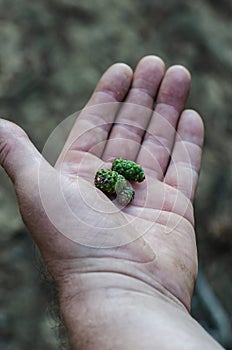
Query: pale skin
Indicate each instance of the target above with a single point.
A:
(135, 295)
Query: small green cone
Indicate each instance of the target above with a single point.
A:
(125, 196)
(130, 170)
(109, 181)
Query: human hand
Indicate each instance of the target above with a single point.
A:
(152, 240)
(163, 199)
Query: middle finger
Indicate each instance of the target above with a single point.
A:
(133, 118)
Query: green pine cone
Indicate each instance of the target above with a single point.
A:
(130, 170)
(125, 196)
(109, 181)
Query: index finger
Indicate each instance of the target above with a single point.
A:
(92, 126)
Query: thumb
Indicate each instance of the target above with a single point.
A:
(17, 153)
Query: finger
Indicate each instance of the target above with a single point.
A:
(93, 124)
(183, 170)
(17, 154)
(132, 120)
(159, 138)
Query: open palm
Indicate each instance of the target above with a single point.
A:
(137, 116)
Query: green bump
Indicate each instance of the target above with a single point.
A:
(130, 170)
(109, 181)
(125, 196)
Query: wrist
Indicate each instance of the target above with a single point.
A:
(78, 287)
(110, 312)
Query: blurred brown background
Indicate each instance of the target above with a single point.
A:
(52, 52)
